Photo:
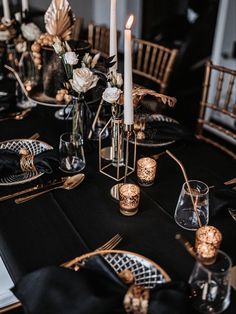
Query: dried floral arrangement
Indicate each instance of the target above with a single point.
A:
(59, 20)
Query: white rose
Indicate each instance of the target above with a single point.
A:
(70, 58)
(111, 94)
(86, 61)
(30, 31)
(83, 80)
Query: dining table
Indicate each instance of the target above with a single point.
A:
(61, 225)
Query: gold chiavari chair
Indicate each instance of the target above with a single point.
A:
(217, 117)
(99, 38)
(153, 62)
(76, 29)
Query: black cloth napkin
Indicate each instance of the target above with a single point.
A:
(10, 162)
(221, 198)
(95, 288)
(166, 131)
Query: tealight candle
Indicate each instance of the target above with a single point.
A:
(146, 171)
(129, 196)
(207, 244)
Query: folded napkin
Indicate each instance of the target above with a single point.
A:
(221, 198)
(166, 131)
(10, 162)
(95, 288)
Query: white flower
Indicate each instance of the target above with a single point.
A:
(70, 58)
(30, 31)
(83, 80)
(111, 94)
(86, 61)
(58, 47)
(95, 60)
(115, 79)
(21, 46)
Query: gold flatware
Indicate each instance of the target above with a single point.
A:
(229, 182)
(109, 245)
(33, 188)
(35, 136)
(69, 184)
(17, 115)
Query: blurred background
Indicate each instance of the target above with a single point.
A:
(199, 29)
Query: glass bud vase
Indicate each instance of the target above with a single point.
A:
(78, 117)
(117, 136)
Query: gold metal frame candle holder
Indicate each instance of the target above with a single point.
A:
(121, 165)
(207, 244)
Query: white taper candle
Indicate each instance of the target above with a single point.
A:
(128, 81)
(25, 5)
(113, 33)
(6, 10)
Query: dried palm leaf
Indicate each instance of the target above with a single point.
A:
(138, 94)
(59, 19)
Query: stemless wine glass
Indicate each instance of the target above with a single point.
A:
(192, 210)
(71, 151)
(210, 285)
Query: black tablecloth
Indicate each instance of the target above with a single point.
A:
(61, 225)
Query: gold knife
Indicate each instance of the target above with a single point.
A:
(34, 188)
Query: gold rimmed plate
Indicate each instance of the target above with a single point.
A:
(151, 123)
(34, 147)
(146, 272)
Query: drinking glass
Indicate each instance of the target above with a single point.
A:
(192, 209)
(71, 151)
(210, 285)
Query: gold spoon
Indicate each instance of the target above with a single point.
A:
(69, 184)
(17, 116)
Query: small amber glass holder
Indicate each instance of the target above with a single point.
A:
(146, 171)
(129, 197)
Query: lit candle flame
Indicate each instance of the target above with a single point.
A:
(129, 22)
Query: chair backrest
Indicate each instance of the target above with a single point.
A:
(99, 38)
(76, 29)
(153, 62)
(217, 117)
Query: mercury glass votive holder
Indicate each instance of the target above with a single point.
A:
(129, 196)
(207, 244)
(146, 171)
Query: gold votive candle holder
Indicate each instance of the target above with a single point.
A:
(146, 171)
(129, 197)
(207, 244)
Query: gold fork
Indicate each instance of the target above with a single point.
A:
(109, 245)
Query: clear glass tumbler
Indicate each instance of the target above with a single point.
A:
(210, 285)
(192, 209)
(72, 159)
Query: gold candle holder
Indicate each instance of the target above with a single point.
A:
(129, 196)
(146, 171)
(207, 244)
